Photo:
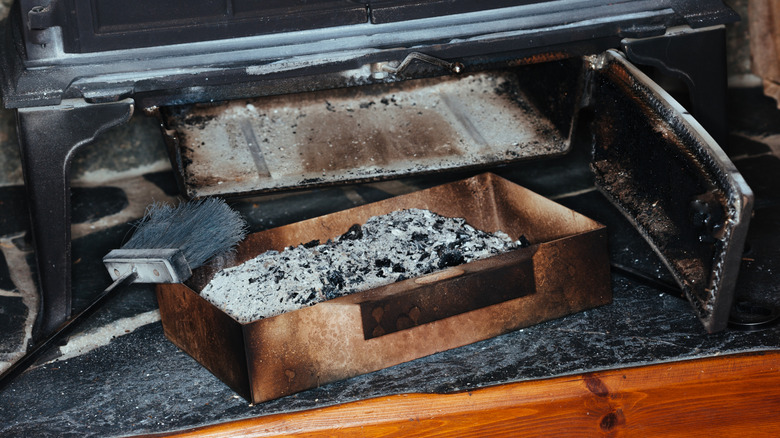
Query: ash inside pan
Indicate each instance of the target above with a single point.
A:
(388, 248)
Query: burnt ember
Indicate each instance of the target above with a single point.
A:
(451, 258)
(355, 232)
(389, 248)
(311, 244)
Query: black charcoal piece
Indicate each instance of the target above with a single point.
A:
(419, 237)
(382, 263)
(522, 241)
(336, 279)
(355, 232)
(451, 258)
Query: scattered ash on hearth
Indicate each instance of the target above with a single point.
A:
(389, 248)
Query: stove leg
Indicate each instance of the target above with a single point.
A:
(48, 139)
(698, 57)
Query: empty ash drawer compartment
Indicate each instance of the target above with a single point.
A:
(564, 270)
(373, 132)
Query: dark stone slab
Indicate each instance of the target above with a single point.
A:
(10, 161)
(758, 274)
(88, 274)
(134, 144)
(165, 180)
(89, 204)
(761, 173)
(740, 146)
(13, 210)
(5, 275)
(750, 111)
(13, 313)
(115, 390)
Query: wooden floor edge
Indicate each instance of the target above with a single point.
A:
(683, 398)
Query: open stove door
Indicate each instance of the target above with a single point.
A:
(654, 161)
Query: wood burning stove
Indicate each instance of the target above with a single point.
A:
(74, 68)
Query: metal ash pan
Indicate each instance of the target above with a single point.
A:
(564, 269)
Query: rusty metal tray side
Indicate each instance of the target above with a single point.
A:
(206, 333)
(565, 270)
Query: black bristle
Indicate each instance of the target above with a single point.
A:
(201, 229)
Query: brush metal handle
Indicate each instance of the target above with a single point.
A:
(160, 265)
(63, 330)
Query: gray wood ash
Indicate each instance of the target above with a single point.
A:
(386, 249)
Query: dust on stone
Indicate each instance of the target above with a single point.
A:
(386, 249)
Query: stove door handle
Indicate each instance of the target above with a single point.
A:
(454, 67)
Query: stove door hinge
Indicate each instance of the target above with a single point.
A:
(46, 16)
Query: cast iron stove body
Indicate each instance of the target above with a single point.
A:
(74, 68)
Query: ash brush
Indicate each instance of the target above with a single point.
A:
(168, 243)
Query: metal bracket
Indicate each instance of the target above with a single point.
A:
(44, 17)
(48, 138)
